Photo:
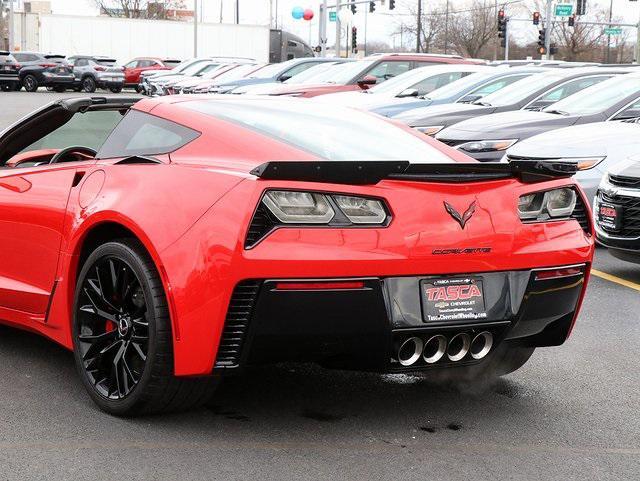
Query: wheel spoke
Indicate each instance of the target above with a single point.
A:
(139, 351)
(97, 310)
(100, 344)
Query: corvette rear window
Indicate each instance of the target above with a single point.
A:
(323, 130)
(139, 133)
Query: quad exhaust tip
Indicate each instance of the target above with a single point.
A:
(481, 345)
(436, 347)
(410, 351)
(458, 346)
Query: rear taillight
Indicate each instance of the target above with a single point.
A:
(99, 68)
(17, 66)
(47, 65)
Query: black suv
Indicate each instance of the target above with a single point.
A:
(9, 69)
(40, 70)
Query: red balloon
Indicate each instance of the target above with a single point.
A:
(308, 14)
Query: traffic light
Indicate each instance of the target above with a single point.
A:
(572, 21)
(542, 40)
(354, 39)
(536, 18)
(502, 26)
(581, 7)
(354, 8)
(392, 4)
(372, 7)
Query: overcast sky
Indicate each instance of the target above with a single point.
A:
(380, 26)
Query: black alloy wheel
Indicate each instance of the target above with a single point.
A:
(122, 335)
(30, 83)
(115, 90)
(113, 330)
(88, 84)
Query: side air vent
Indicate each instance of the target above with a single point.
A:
(236, 324)
(262, 223)
(581, 214)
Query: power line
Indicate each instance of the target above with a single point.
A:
(438, 14)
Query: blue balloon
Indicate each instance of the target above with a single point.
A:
(297, 13)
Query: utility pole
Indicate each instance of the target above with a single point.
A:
(609, 35)
(446, 29)
(322, 29)
(338, 27)
(11, 27)
(636, 56)
(237, 12)
(195, 28)
(549, 27)
(496, 43)
(366, 11)
(419, 26)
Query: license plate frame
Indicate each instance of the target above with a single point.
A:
(453, 299)
(610, 216)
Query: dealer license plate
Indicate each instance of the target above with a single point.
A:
(610, 216)
(452, 299)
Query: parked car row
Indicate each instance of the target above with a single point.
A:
(32, 70)
(303, 77)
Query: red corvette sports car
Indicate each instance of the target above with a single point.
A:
(170, 242)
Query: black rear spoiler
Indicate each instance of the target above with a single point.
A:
(372, 172)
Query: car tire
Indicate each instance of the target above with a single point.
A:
(138, 89)
(5, 87)
(17, 87)
(59, 88)
(30, 83)
(115, 90)
(126, 366)
(89, 85)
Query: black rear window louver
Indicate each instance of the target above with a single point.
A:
(236, 324)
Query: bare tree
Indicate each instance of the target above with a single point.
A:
(150, 9)
(431, 26)
(473, 29)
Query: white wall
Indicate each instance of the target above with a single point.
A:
(124, 39)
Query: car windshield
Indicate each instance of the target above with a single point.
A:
(193, 68)
(310, 73)
(235, 73)
(274, 69)
(404, 80)
(329, 133)
(519, 91)
(350, 71)
(599, 97)
(460, 85)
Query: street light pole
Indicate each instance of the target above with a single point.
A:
(549, 27)
(195, 28)
(419, 24)
(609, 35)
(11, 28)
(338, 27)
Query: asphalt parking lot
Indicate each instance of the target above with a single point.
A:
(570, 413)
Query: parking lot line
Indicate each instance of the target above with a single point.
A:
(617, 280)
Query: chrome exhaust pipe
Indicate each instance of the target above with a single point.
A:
(434, 349)
(458, 346)
(410, 351)
(481, 345)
